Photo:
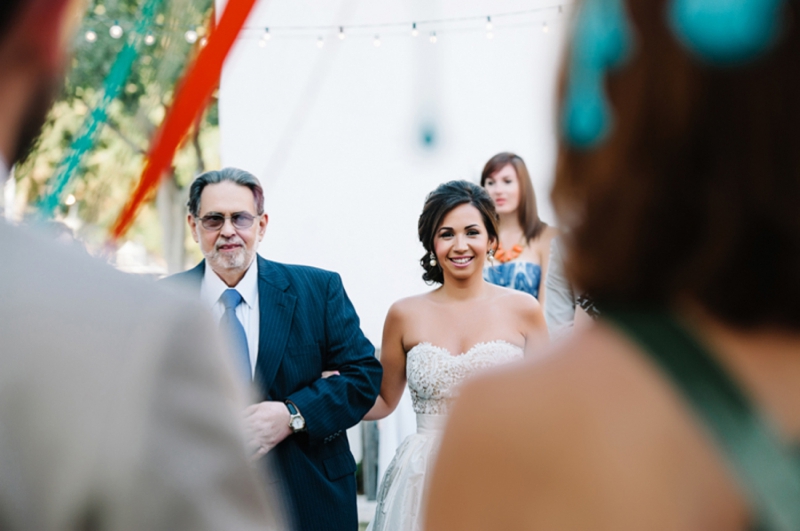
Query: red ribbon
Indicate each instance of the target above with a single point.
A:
(191, 98)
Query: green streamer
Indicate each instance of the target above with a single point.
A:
(91, 127)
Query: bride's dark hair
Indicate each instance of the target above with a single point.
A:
(437, 205)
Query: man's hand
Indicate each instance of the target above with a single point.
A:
(266, 424)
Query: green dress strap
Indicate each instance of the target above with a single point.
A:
(764, 466)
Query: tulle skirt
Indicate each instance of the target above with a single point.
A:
(401, 496)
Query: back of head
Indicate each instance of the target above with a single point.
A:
(694, 192)
(8, 12)
(34, 37)
(438, 204)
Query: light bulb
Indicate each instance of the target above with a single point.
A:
(70, 200)
(266, 36)
(414, 30)
(341, 33)
(320, 43)
(150, 39)
(116, 31)
(433, 37)
(545, 29)
(90, 36)
(190, 36)
(488, 23)
(377, 41)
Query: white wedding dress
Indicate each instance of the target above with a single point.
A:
(434, 375)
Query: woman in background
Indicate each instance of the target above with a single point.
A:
(678, 180)
(436, 340)
(524, 240)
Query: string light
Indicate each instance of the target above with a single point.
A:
(195, 34)
(70, 200)
(190, 36)
(116, 31)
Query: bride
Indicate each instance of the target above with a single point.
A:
(437, 339)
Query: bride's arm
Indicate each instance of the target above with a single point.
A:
(534, 328)
(393, 359)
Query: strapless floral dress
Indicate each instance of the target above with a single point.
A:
(434, 375)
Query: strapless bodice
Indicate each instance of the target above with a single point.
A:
(518, 275)
(434, 374)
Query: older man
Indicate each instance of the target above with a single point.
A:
(116, 408)
(288, 326)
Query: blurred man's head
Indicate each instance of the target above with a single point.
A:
(34, 42)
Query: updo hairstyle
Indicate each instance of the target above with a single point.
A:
(437, 205)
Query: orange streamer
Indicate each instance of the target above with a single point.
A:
(191, 98)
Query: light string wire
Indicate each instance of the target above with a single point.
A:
(266, 32)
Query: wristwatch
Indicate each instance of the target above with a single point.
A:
(296, 421)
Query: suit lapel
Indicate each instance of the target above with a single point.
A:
(276, 309)
(193, 278)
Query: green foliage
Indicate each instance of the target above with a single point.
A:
(109, 173)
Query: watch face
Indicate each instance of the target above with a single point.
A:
(297, 424)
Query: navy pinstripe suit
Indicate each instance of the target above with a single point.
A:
(308, 325)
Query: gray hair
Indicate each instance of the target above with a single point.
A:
(234, 175)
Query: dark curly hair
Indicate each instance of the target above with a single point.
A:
(437, 205)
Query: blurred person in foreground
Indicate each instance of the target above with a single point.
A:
(296, 336)
(678, 181)
(116, 410)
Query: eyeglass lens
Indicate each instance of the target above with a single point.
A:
(240, 220)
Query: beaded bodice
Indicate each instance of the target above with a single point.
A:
(434, 374)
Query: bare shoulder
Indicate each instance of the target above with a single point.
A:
(592, 374)
(517, 301)
(545, 237)
(595, 424)
(406, 307)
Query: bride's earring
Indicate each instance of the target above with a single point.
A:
(490, 254)
(433, 261)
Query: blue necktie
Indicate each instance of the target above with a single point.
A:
(233, 331)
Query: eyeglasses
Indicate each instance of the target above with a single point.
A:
(240, 220)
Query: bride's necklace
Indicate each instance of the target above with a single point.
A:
(503, 256)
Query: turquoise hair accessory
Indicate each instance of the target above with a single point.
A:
(603, 40)
(722, 32)
(726, 32)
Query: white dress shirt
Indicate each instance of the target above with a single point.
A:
(212, 288)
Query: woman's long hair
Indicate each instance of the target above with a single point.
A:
(527, 212)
